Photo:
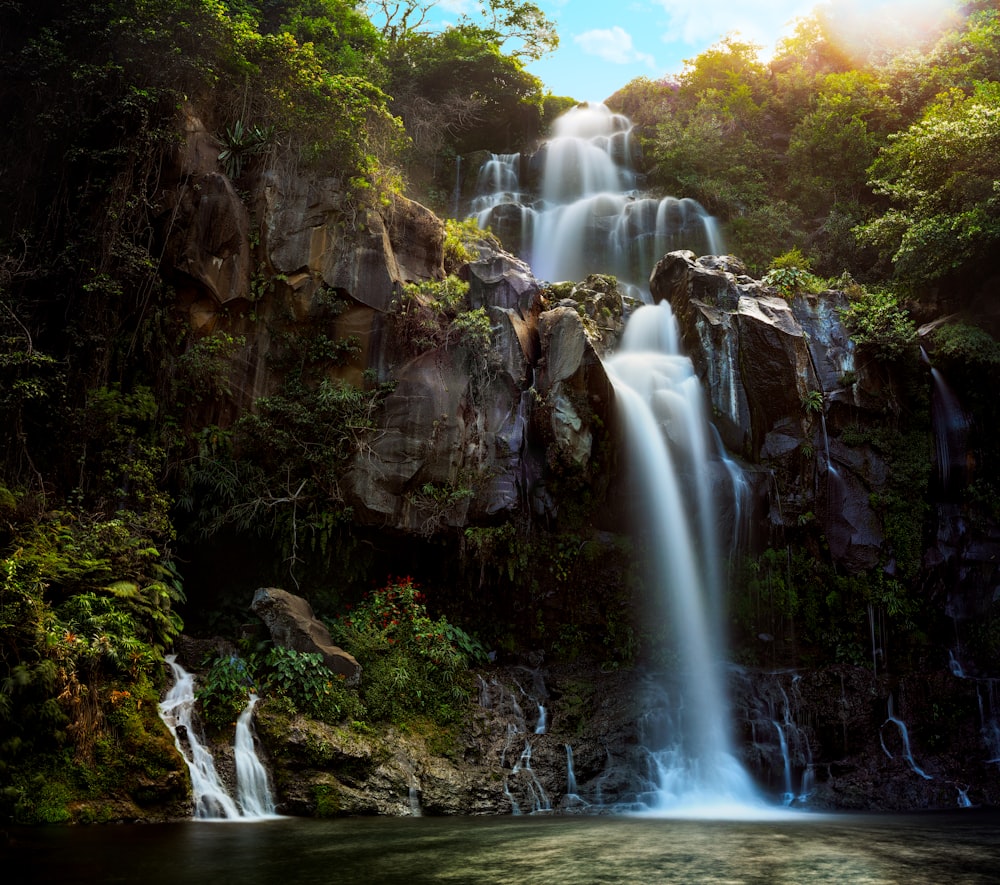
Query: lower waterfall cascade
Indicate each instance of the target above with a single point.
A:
(693, 768)
(212, 800)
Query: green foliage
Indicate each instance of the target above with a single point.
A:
(203, 370)
(790, 275)
(413, 664)
(299, 679)
(436, 314)
(278, 473)
(793, 608)
(462, 240)
(497, 21)
(86, 607)
(940, 178)
(964, 344)
(812, 402)
(311, 686)
(456, 92)
(224, 690)
(240, 143)
(877, 322)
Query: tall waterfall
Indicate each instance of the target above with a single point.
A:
(590, 218)
(693, 769)
(212, 801)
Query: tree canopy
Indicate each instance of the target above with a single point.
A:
(876, 157)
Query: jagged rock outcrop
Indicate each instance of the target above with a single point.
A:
(293, 625)
(466, 435)
(778, 373)
(463, 435)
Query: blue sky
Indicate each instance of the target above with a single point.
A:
(606, 43)
(603, 43)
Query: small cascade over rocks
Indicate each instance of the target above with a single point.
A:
(904, 737)
(779, 744)
(588, 215)
(527, 725)
(212, 799)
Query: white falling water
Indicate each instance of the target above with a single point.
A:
(588, 217)
(693, 767)
(253, 792)
(211, 798)
(904, 736)
(788, 796)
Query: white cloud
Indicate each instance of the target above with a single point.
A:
(756, 20)
(459, 7)
(613, 45)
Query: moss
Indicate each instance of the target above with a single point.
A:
(327, 799)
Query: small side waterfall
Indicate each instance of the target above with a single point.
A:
(951, 428)
(521, 784)
(212, 800)
(253, 792)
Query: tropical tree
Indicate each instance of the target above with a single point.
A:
(519, 22)
(940, 177)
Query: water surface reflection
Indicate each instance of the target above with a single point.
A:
(913, 849)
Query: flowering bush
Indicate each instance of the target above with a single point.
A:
(412, 662)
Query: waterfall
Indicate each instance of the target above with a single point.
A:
(253, 793)
(212, 800)
(789, 795)
(588, 217)
(904, 736)
(693, 768)
(951, 427)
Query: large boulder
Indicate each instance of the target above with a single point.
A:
(293, 625)
(207, 247)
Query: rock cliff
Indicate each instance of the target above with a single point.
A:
(526, 428)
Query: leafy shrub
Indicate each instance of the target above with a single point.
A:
(876, 320)
(790, 274)
(301, 679)
(413, 664)
(462, 240)
(225, 690)
(436, 314)
(963, 344)
(312, 687)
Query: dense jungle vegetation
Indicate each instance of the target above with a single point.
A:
(878, 165)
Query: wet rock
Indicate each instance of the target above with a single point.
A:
(783, 381)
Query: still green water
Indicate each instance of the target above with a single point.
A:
(960, 847)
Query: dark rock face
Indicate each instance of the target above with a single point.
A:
(778, 374)
(293, 625)
(208, 240)
(863, 742)
(509, 756)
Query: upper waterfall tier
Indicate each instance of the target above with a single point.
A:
(588, 215)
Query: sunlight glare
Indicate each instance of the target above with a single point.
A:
(858, 27)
